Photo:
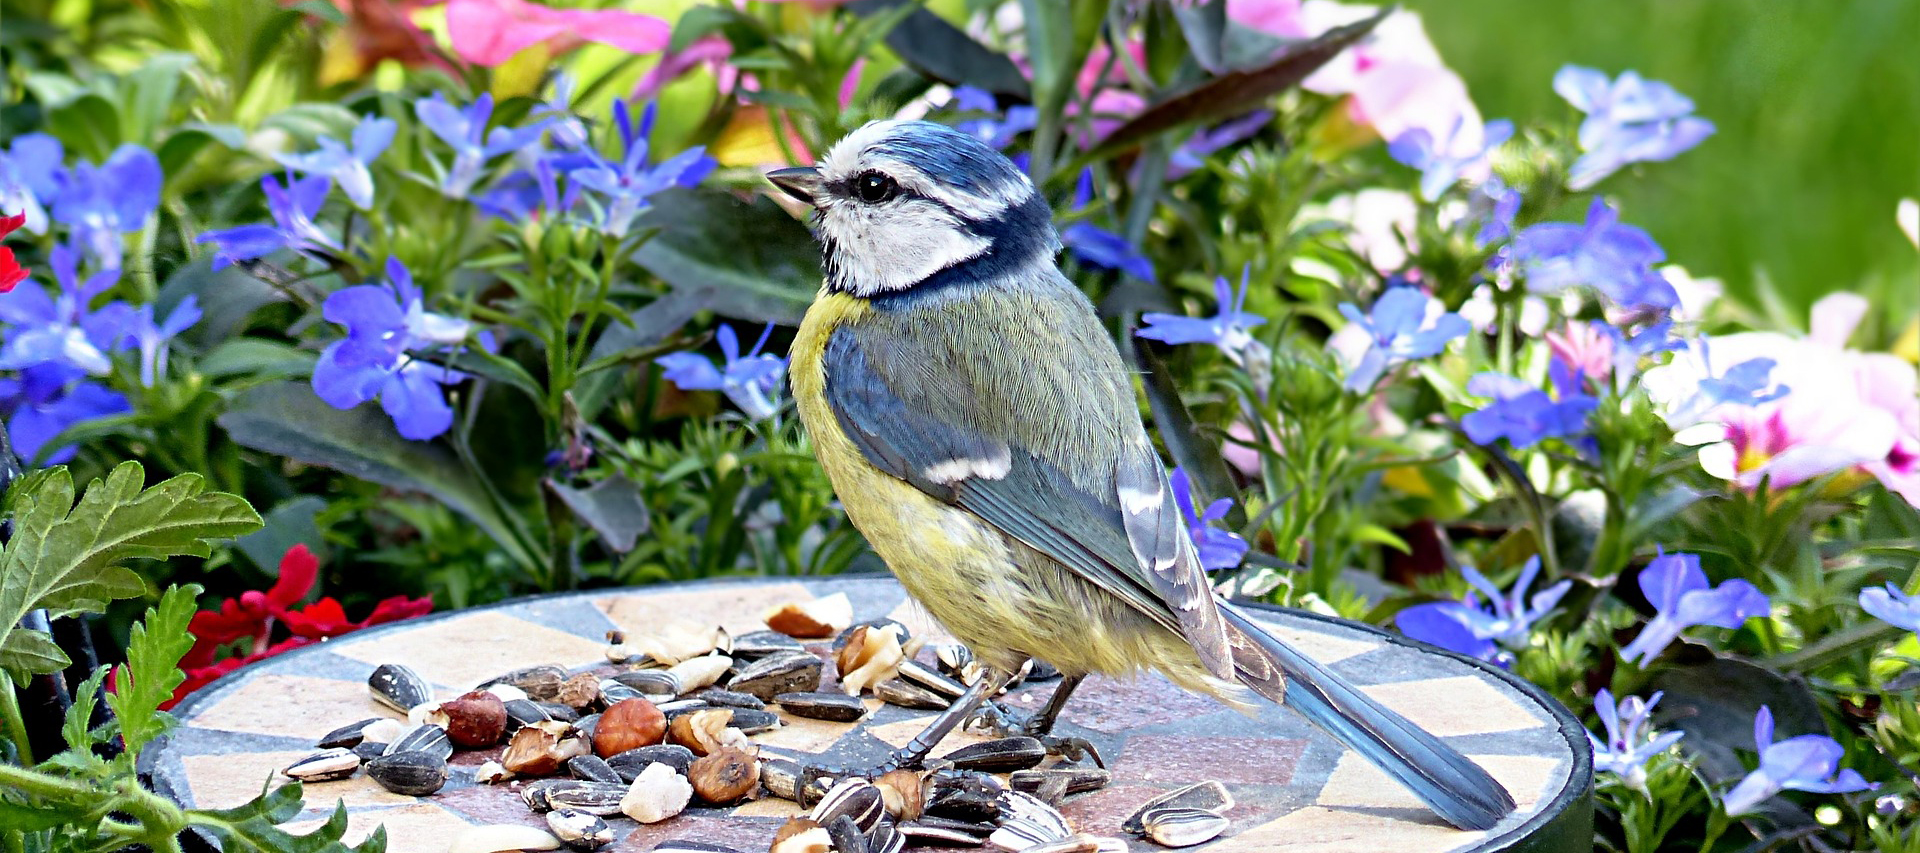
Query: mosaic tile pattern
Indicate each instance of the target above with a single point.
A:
(1296, 789)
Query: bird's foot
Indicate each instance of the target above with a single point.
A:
(817, 778)
(1002, 721)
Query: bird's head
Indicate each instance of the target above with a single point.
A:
(900, 205)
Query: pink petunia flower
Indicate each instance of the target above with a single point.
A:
(490, 32)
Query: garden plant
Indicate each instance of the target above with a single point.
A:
(320, 310)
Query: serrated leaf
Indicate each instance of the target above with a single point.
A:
(65, 557)
(1232, 93)
(613, 507)
(77, 728)
(252, 827)
(771, 277)
(286, 419)
(29, 653)
(152, 670)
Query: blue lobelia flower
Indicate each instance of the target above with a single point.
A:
(1892, 606)
(58, 338)
(1227, 330)
(992, 128)
(37, 415)
(623, 188)
(1603, 254)
(1809, 763)
(101, 203)
(292, 206)
(751, 381)
(1631, 741)
(1467, 627)
(1494, 205)
(534, 191)
(29, 178)
(1629, 120)
(1403, 325)
(347, 166)
(556, 112)
(153, 338)
(1681, 598)
(1218, 548)
(1522, 414)
(1098, 247)
(1192, 153)
(465, 131)
(384, 322)
(1438, 168)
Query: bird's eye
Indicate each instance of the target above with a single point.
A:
(874, 188)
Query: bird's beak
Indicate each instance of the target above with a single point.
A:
(801, 182)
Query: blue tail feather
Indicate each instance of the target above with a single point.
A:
(1452, 785)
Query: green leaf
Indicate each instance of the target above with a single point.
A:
(228, 298)
(643, 330)
(1205, 26)
(286, 419)
(498, 368)
(251, 828)
(149, 95)
(1232, 93)
(321, 9)
(191, 138)
(290, 523)
(309, 119)
(613, 507)
(29, 653)
(152, 670)
(66, 557)
(770, 277)
(700, 21)
(1206, 468)
(257, 358)
(944, 52)
(78, 726)
(1369, 532)
(89, 125)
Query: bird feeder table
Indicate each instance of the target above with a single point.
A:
(1294, 787)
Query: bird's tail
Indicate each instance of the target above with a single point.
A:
(1454, 787)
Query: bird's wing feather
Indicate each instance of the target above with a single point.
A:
(1116, 526)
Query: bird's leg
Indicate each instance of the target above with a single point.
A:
(915, 752)
(1040, 725)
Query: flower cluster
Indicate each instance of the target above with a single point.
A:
(1489, 631)
(1629, 120)
(750, 380)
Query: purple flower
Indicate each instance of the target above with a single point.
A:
(1805, 763)
(556, 112)
(39, 414)
(1098, 247)
(29, 178)
(384, 322)
(624, 187)
(751, 381)
(1471, 629)
(1439, 164)
(465, 130)
(1227, 330)
(1218, 548)
(995, 131)
(100, 203)
(535, 190)
(1631, 741)
(1681, 598)
(59, 338)
(1603, 254)
(347, 166)
(153, 338)
(1493, 205)
(1403, 325)
(1893, 606)
(1629, 120)
(1522, 414)
(1203, 143)
(293, 206)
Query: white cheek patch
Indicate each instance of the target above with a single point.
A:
(895, 246)
(954, 470)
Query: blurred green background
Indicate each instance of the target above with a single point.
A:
(1818, 108)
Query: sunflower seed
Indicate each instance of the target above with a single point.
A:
(692, 847)
(629, 764)
(558, 711)
(585, 726)
(613, 692)
(1206, 796)
(523, 712)
(651, 682)
(369, 750)
(786, 672)
(428, 738)
(349, 735)
(540, 683)
(730, 699)
(965, 795)
(900, 631)
(597, 798)
(847, 836)
(854, 798)
(1182, 827)
(1078, 780)
(579, 830)
(933, 831)
(833, 707)
(886, 839)
(920, 674)
(325, 765)
(593, 768)
(398, 687)
(999, 756)
(1026, 821)
(752, 721)
(534, 793)
(759, 644)
(414, 773)
(906, 694)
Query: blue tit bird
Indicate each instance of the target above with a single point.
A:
(978, 425)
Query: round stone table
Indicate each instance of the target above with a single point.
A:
(1295, 788)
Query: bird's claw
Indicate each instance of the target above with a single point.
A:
(1072, 749)
(1002, 721)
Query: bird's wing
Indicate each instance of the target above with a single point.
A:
(1052, 458)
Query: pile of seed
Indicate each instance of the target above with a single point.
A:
(673, 725)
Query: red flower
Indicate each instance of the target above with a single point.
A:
(11, 273)
(253, 616)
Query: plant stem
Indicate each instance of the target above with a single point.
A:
(15, 723)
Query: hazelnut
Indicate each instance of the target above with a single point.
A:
(475, 720)
(579, 691)
(628, 724)
(801, 835)
(870, 656)
(903, 793)
(705, 731)
(724, 776)
(538, 749)
(812, 620)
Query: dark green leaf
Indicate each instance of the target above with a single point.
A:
(41, 815)
(752, 261)
(1205, 26)
(152, 670)
(288, 524)
(251, 828)
(89, 125)
(1234, 92)
(488, 365)
(149, 95)
(700, 21)
(286, 419)
(613, 507)
(29, 653)
(941, 51)
(191, 138)
(644, 329)
(1714, 701)
(257, 358)
(78, 725)
(1206, 469)
(227, 298)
